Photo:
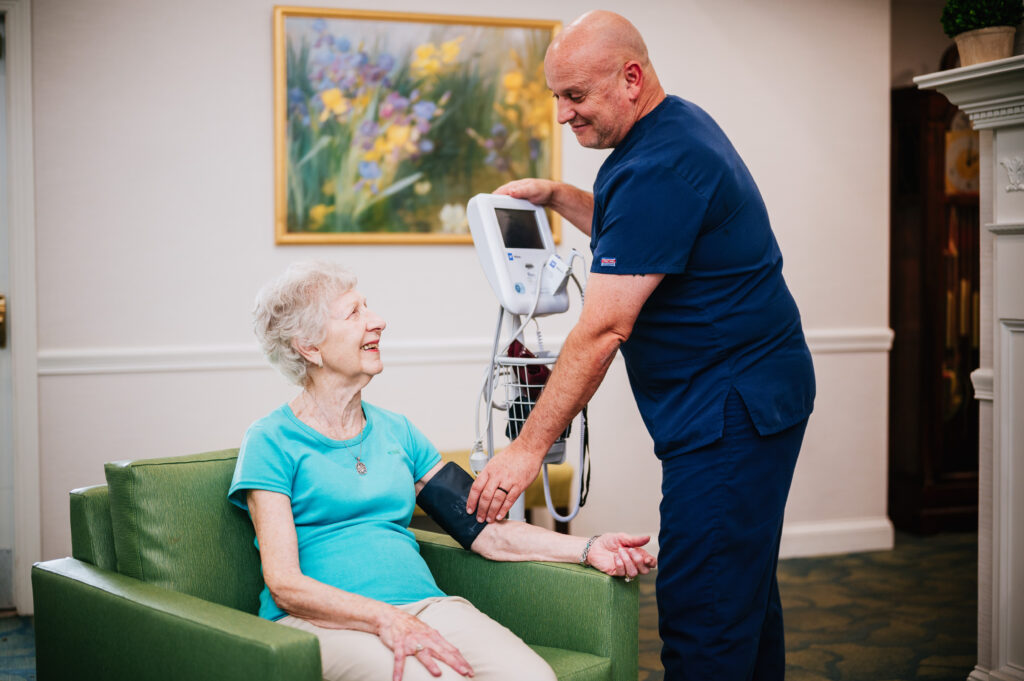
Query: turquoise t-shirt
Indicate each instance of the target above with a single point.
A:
(352, 529)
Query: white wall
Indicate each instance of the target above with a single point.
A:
(154, 181)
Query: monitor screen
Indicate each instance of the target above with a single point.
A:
(519, 228)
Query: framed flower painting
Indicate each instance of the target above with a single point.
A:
(386, 124)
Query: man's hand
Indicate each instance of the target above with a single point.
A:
(502, 480)
(572, 203)
(536, 191)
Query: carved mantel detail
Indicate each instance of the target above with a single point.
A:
(1014, 172)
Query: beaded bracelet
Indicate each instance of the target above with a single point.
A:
(586, 549)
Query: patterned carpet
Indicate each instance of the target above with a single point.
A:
(17, 649)
(910, 613)
(899, 615)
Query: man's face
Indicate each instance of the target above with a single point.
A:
(590, 97)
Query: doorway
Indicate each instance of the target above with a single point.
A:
(20, 457)
(934, 311)
(6, 388)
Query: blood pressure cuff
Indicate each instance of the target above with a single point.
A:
(444, 500)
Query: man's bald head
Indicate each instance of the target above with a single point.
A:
(601, 77)
(602, 36)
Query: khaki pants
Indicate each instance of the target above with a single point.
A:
(494, 652)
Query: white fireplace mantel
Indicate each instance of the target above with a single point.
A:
(992, 96)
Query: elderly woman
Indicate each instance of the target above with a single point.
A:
(330, 482)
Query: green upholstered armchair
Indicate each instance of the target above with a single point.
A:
(164, 583)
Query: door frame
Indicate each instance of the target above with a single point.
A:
(22, 296)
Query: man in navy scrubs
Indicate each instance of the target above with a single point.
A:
(687, 282)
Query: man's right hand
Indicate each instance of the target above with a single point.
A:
(536, 191)
(572, 203)
(502, 480)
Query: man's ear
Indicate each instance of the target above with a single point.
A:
(310, 352)
(634, 79)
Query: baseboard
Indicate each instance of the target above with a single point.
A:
(826, 537)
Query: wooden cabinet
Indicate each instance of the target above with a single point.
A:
(933, 311)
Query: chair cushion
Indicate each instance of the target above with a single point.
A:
(174, 527)
(570, 665)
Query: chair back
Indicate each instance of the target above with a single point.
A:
(174, 527)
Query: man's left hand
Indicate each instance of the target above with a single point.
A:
(502, 480)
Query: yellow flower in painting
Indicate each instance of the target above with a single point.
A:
(422, 188)
(513, 83)
(327, 188)
(400, 137)
(450, 50)
(425, 60)
(425, 51)
(527, 102)
(317, 215)
(380, 147)
(428, 59)
(510, 114)
(334, 104)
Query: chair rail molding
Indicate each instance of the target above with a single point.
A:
(462, 350)
(981, 379)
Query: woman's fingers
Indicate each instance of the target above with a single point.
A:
(399, 666)
(449, 654)
(432, 648)
(408, 635)
(624, 556)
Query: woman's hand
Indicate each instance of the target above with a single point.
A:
(408, 635)
(620, 555)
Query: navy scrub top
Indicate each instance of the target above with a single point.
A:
(675, 198)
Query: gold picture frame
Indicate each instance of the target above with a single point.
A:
(386, 124)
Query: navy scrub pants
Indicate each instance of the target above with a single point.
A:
(719, 611)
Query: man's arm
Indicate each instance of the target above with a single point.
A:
(572, 203)
(610, 309)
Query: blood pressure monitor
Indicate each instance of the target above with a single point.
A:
(516, 250)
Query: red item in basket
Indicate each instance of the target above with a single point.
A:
(532, 375)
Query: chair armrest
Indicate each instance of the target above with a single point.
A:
(91, 623)
(558, 605)
(92, 536)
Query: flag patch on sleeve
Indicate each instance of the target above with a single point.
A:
(607, 262)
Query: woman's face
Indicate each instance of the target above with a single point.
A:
(353, 331)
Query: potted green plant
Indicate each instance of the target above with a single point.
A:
(983, 29)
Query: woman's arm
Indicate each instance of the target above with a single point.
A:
(332, 608)
(618, 555)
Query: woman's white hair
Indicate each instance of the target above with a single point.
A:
(293, 309)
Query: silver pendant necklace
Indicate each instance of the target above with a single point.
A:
(360, 466)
